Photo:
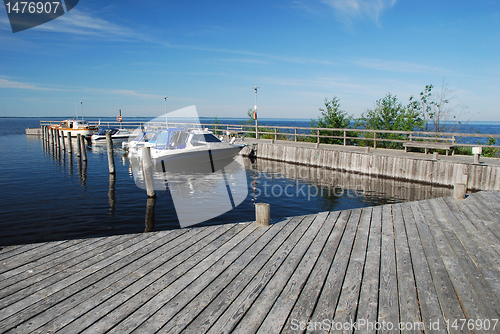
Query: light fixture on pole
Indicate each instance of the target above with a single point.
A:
(255, 114)
(166, 118)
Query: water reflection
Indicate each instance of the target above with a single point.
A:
(279, 179)
(111, 193)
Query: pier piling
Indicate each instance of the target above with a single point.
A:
(78, 146)
(147, 168)
(263, 214)
(70, 146)
(111, 160)
(83, 148)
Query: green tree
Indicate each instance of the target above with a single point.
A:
(390, 114)
(335, 118)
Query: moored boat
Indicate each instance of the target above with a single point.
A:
(75, 127)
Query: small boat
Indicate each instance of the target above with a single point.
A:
(117, 135)
(75, 127)
(178, 150)
(135, 144)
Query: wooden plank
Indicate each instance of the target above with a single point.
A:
(9, 251)
(16, 300)
(464, 290)
(177, 247)
(261, 306)
(471, 251)
(152, 315)
(464, 275)
(271, 308)
(277, 316)
(45, 267)
(426, 291)
(388, 308)
(306, 302)
(23, 309)
(138, 294)
(266, 260)
(196, 305)
(489, 199)
(246, 298)
(349, 298)
(330, 293)
(32, 255)
(474, 229)
(485, 214)
(368, 305)
(408, 303)
(449, 303)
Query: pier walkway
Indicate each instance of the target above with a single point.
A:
(420, 265)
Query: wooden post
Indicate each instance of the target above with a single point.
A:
(367, 149)
(70, 146)
(275, 134)
(317, 143)
(374, 140)
(435, 155)
(56, 139)
(111, 160)
(78, 145)
(52, 137)
(83, 148)
(63, 143)
(295, 134)
(345, 139)
(459, 190)
(150, 215)
(262, 214)
(147, 171)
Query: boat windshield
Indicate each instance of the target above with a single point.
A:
(178, 138)
(103, 131)
(203, 139)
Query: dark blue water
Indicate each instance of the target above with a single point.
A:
(47, 195)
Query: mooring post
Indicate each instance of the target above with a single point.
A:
(477, 151)
(63, 143)
(83, 147)
(147, 171)
(262, 214)
(111, 160)
(70, 146)
(52, 137)
(435, 155)
(459, 190)
(78, 145)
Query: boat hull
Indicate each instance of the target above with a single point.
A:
(199, 161)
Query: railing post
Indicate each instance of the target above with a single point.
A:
(317, 144)
(374, 140)
(275, 134)
(295, 136)
(345, 139)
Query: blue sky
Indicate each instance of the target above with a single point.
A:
(129, 54)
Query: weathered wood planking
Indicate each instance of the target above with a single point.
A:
(421, 263)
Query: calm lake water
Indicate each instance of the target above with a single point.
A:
(48, 195)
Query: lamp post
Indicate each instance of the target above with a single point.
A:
(166, 118)
(255, 114)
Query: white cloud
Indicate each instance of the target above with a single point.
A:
(349, 10)
(5, 83)
(84, 24)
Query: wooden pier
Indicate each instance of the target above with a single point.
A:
(419, 265)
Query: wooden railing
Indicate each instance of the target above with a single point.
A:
(310, 134)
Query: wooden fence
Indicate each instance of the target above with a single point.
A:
(357, 137)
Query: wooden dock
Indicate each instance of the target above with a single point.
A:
(420, 265)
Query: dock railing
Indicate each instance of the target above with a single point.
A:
(343, 136)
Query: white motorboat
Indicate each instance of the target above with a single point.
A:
(117, 135)
(135, 144)
(75, 127)
(177, 150)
